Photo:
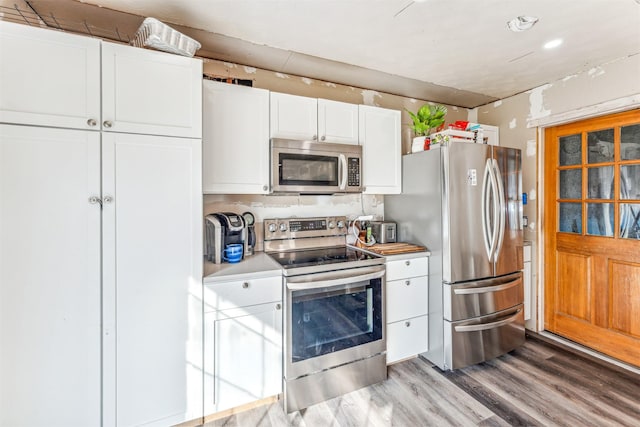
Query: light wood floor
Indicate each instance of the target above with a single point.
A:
(539, 384)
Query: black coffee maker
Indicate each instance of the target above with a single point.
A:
(222, 229)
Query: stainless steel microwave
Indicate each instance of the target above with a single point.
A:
(310, 167)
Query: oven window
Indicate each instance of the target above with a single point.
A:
(329, 320)
(304, 169)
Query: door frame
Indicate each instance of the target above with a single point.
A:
(541, 124)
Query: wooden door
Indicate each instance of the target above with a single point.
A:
(592, 237)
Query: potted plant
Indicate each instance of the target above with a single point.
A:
(427, 120)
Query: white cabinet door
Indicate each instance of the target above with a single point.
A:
(381, 149)
(49, 78)
(294, 117)
(49, 277)
(149, 92)
(337, 122)
(243, 355)
(152, 275)
(407, 298)
(406, 338)
(235, 139)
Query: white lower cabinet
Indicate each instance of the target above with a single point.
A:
(242, 342)
(407, 307)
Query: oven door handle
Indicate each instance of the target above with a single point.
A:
(316, 281)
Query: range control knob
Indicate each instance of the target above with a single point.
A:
(340, 224)
(332, 224)
(283, 226)
(272, 227)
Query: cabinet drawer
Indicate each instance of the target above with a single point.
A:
(240, 293)
(403, 268)
(407, 338)
(407, 298)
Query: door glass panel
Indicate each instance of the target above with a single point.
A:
(570, 150)
(600, 219)
(630, 142)
(630, 182)
(600, 146)
(600, 183)
(630, 220)
(571, 184)
(570, 217)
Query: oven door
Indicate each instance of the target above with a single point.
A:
(333, 318)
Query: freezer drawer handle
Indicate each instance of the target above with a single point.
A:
(484, 327)
(485, 289)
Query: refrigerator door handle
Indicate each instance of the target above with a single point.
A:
(486, 196)
(502, 215)
(495, 229)
(485, 326)
(485, 289)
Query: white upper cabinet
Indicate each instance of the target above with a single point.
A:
(294, 117)
(337, 122)
(311, 119)
(381, 149)
(49, 78)
(149, 92)
(235, 139)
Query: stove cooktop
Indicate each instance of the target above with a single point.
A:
(331, 257)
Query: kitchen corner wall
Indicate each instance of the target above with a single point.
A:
(574, 94)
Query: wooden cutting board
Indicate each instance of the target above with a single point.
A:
(395, 248)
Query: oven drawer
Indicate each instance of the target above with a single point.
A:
(407, 298)
(241, 293)
(403, 268)
(407, 338)
(482, 297)
(472, 341)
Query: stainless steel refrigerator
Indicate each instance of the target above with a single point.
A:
(463, 201)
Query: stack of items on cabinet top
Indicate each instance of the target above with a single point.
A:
(460, 131)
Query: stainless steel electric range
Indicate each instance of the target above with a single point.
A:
(334, 327)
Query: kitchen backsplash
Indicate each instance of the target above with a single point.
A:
(287, 206)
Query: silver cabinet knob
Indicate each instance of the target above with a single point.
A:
(407, 324)
(92, 122)
(265, 188)
(94, 199)
(107, 199)
(407, 262)
(315, 137)
(245, 285)
(278, 306)
(107, 124)
(322, 138)
(407, 282)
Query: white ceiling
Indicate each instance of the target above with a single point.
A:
(458, 52)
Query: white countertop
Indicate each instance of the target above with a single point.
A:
(252, 267)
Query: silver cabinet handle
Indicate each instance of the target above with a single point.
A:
(407, 262)
(107, 124)
(265, 188)
(95, 199)
(407, 282)
(407, 324)
(245, 285)
(278, 306)
(315, 137)
(322, 138)
(107, 199)
(92, 122)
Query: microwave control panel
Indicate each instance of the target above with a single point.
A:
(353, 172)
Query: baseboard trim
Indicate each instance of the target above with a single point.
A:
(558, 340)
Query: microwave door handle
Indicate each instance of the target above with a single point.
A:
(342, 171)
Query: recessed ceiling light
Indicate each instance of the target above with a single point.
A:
(553, 43)
(522, 23)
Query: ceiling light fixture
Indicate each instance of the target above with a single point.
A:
(553, 43)
(522, 23)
